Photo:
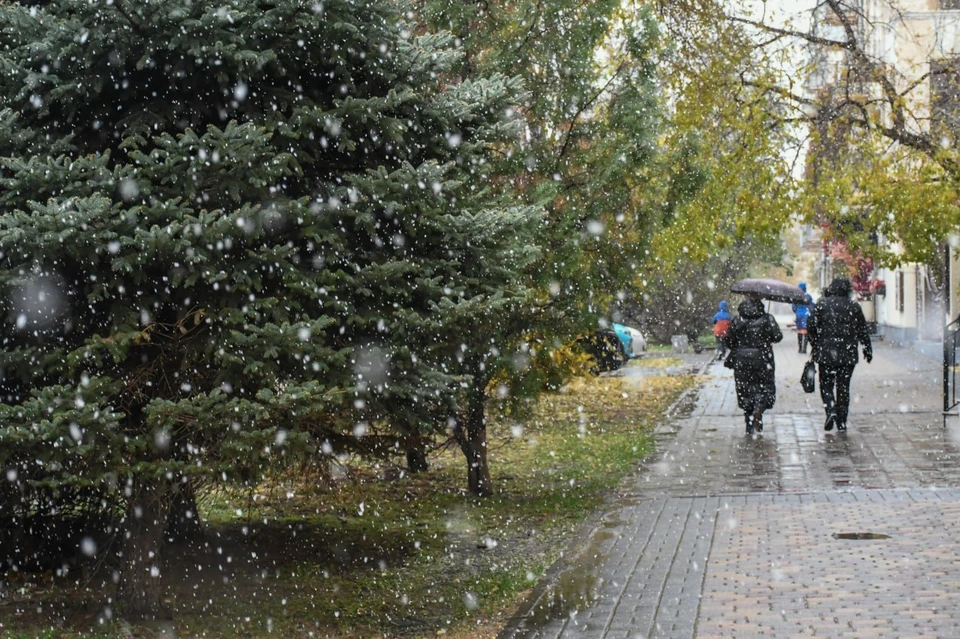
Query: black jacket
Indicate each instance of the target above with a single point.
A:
(836, 326)
(753, 328)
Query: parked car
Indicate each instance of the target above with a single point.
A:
(634, 343)
(606, 349)
(612, 348)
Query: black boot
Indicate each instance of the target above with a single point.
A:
(831, 421)
(758, 421)
(748, 418)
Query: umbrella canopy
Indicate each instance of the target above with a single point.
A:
(768, 289)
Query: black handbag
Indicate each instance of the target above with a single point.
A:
(809, 377)
(730, 361)
(747, 359)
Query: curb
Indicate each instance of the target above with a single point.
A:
(581, 540)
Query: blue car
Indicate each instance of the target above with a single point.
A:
(632, 340)
(613, 347)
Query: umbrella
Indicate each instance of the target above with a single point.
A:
(768, 289)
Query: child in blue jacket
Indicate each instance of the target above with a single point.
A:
(721, 324)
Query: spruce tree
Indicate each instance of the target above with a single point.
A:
(232, 233)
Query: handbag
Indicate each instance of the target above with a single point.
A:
(730, 361)
(809, 377)
(747, 359)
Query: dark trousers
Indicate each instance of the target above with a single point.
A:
(835, 390)
(802, 341)
(721, 347)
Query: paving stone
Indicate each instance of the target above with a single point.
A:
(725, 535)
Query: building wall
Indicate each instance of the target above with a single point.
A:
(897, 309)
(909, 39)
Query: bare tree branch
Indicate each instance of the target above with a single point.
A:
(809, 37)
(777, 90)
(863, 72)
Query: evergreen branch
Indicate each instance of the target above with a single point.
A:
(133, 23)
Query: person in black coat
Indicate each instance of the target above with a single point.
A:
(835, 328)
(750, 340)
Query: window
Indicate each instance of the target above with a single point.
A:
(898, 294)
(846, 11)
(919, 289)
(851, 17)
(949, 5)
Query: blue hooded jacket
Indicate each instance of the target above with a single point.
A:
(723, 313)
(802, 311)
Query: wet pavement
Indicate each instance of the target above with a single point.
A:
(791, 533)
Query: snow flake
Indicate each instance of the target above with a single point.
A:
(88, 547)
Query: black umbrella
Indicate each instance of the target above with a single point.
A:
(768, 289)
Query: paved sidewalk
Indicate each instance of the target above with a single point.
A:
(792, 533)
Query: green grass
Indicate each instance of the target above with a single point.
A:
(361, 556)
(659, 348)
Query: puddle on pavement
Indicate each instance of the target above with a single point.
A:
(860, 536)
(578, 587)
(574, 589)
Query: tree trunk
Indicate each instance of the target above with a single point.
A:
(471, 435)
(183, 523)
(416, 455)
(139, 592)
